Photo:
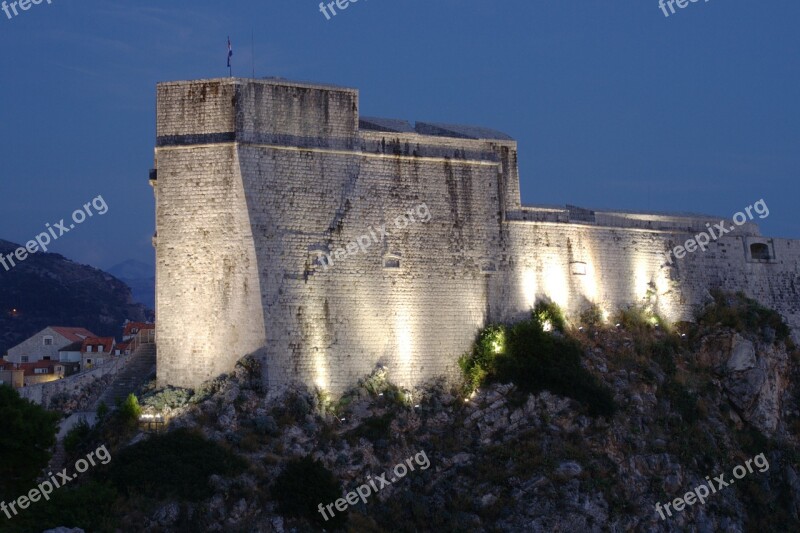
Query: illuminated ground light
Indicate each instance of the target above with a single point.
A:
(498, 341)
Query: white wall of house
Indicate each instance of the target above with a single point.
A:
(37, 348)
(69, 357)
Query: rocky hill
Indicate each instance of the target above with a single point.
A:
(140, 277)
(49, 289)
(688, 403)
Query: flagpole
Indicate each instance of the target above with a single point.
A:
(230, 54)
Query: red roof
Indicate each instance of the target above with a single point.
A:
(73, 334)
(30, 367)
(136, 325)
(106, 342)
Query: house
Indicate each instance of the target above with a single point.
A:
(46, 371)
(45, 345)
(71, 353)
(131, 329)
(11, 375)
(122, 348)
(65, 369)
(96, 351)
(40, 372)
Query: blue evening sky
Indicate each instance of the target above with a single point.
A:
(613, 104)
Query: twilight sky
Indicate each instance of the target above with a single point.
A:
(613, 104)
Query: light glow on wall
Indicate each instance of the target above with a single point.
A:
(321, 379)
(529, 287)
(556, 285)
(321, 362)
(403, 330)
(642, 274)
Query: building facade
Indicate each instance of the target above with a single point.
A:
(45, 345)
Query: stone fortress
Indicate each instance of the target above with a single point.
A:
(257, 180)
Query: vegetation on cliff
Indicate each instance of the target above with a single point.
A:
(655, 409)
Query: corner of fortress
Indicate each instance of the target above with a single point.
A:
(266, 191)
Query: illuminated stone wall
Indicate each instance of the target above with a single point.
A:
(575, 264)
(256, 179)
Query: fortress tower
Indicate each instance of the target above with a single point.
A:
(259, 182)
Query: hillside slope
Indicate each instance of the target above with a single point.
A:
(50, 290)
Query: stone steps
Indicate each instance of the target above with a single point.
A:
(141, 366)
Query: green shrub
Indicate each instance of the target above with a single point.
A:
(26, 438)
(549, 314)
(535, 360)
(102, 411)
(171, 397)
(538, 361)
(682, 401)
(592, 316)
(173, 465)
(130, 410)
(479, 363)
(90, 506)
(638, 320)
(302, 486)
(373, 428)
(77, 436)
(663, 352)
(743, 314)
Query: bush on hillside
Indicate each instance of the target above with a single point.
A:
(302, 486)
(174, 465)
(536, 360)
(28, 433)
(743, 314)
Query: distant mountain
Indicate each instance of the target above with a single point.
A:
(132, 269)
(50, 290)
(140, 277)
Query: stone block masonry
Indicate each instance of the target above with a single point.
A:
(255, 180)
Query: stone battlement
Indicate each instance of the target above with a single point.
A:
(255, 180)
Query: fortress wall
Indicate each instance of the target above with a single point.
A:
(622, 264)
(194, 108)
(296, 114)
(208, 306)
(331, 327)
(775, 284)
(209, 312)
(258, 179)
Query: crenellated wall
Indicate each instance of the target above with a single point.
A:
(258, 179)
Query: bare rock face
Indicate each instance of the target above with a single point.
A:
(743, 356)
(755, 378)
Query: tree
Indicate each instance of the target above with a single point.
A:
(29, 431)
(130, 410)
(302, 486)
